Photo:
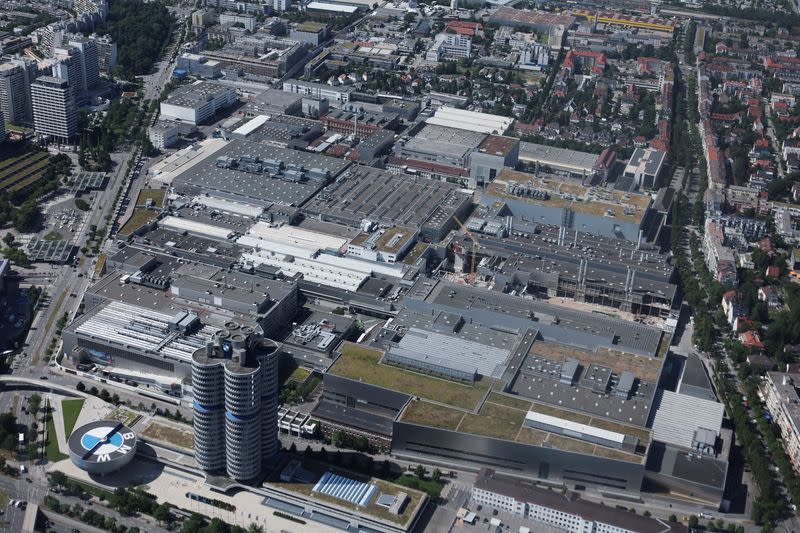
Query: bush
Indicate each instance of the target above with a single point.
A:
(82, 204)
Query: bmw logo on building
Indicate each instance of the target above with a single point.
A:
(102, 447)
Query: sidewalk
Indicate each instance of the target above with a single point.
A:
(58, 422)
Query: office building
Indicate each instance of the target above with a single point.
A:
(281, 5)
(54, 108)
(235, 387)
(336, 95)
(313, 33)
(15, 91)
(163, 134)
(449, 46)
(246, 20)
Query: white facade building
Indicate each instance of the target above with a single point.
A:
(197, 103)
(163, 134)
(54, 108)
(449, 46)
(562, 510)
(249, 21)
(783, 401)
(334, 94)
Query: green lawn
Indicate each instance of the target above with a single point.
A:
(431, 414)
(494, 420)
(51, 450)
(361, 363)
(300, 374)
(429, 486)
(70, 411)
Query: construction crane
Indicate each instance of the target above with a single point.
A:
(472, 274)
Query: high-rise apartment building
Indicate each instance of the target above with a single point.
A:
(69, 68)
(54, 108)
(89, 60)
(16, 77)
(106, 52)
(235, 387)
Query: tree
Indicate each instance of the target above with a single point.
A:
(82, 204)
(80, 387)
(26, 218)
(162, 514)
(419, 471)
(693, 521)
(436, 475)
(255, 528)
(57, 479)
(34, 402)
(673, 518)
(8, 239)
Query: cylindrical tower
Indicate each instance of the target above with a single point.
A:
(268, 360)
(235, 383)
(208, 384)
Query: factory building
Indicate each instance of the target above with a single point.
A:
(554, 263)
(535, 200)
(197, 103)
(558, 160)
(562, 511)
(491, 156)
(152, 340)
(645, 167)
(199, 65)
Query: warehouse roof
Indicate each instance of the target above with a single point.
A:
(554, 322)
(470, 120)
(237, 184)
(196, 94)
(673, 427)
(452, 351)
(368, 193)
(445, 140)
(557, 158)
(598, 201)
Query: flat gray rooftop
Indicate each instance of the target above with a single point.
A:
(635, 410)
(450, 142)
(557, 157)
(652, 272)
(560, 324)
(365, 192)
(230, 183)
(447, 322)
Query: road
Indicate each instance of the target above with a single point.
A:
(38, 489)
